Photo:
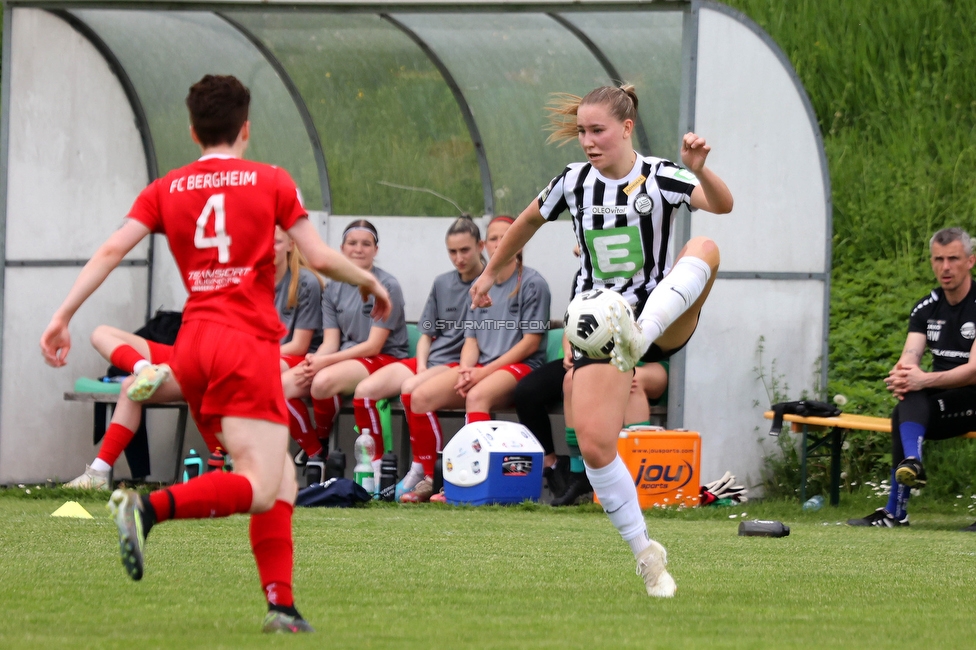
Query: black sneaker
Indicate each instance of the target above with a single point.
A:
(970, 529)
(880, 518)
(579, 488)
(910, 473)
(557, 476)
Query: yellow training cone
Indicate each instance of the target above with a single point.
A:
(72, 509)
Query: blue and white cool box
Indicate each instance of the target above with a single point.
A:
(492, 462)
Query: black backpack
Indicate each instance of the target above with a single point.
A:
(808, 407)
(161, 328)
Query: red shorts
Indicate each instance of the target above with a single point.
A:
(292, 360)
(411, 364)
(159, 352)
(372, 364)
(224, 372)
(517, 370)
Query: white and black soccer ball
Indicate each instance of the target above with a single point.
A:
(587, 322)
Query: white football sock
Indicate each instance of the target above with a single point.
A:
(100, 465)
(615, 487)
(676, 293)
(414, 475)
(139, 365)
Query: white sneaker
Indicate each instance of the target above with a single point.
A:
(650, 566)
(628, 339)
(147, 381)
(92, 479)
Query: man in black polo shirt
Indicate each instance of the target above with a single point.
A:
(942, 403)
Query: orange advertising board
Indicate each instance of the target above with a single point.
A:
(664, 465)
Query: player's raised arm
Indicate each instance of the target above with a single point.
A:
(336, 266)
(712, 194)
(56, 341)
(522, 230)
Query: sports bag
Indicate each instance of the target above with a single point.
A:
(807, 408)
(334, 493)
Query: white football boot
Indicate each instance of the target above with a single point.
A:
(92, 479)
(650, 566)
(628, 339)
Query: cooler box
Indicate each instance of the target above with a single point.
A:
(664, 465)
(492, 462)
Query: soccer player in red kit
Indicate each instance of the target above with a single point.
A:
(219, 216)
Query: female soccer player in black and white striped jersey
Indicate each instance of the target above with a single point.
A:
(438, 349)
(623, 204)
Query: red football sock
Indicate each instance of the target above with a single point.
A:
(125, 357)
(116, 439)
(300, 427)
(425, 436)
(325, 413)
(368, 417)
(476, 416)
(273, 549)
(214, 494)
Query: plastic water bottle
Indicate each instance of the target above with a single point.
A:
(814, 503)
(335, 466)
(216, 460)
(363, 471)
(388, 476)
(760, 528)
(192, 465)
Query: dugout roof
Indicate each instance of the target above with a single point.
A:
(402, 112)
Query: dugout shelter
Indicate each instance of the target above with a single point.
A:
(404, 113)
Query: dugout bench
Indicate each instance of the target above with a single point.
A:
(817, 432)
(104, 403)
(103, 397)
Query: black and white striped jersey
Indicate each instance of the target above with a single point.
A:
(623, 226)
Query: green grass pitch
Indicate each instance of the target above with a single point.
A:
(494, 577)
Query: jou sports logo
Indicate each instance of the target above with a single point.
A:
(660, 479)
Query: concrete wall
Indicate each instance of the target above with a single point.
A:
(765, 146)
(75, 157)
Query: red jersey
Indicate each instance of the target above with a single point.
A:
(218, 215)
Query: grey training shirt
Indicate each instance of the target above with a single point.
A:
(307, 313)
(499, 327)
(441, 318)
(343, 309)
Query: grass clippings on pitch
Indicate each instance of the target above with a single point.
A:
(494, 577)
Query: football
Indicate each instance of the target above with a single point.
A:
(587, 322)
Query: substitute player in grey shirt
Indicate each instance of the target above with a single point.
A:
(353, 346)
(298, 300)
(344, 311)
(438, 349)
(503, 342)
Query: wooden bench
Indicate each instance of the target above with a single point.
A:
(838, 427)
